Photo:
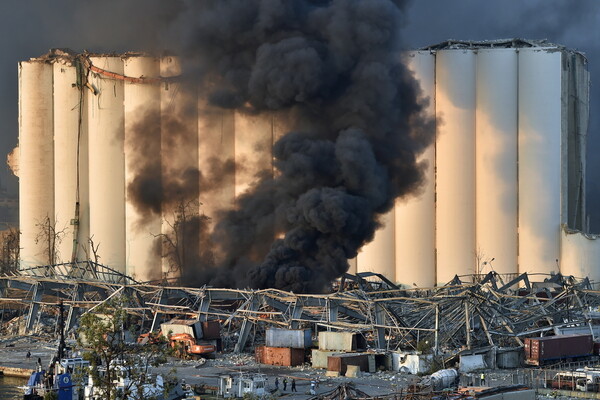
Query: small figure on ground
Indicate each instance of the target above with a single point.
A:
(28, 355)
(284, 384)
(312, 388)
(482, 379)
(294, 385)
(277, 383)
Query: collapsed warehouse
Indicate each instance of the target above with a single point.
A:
(490, 315)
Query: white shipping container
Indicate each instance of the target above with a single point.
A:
(294, 338)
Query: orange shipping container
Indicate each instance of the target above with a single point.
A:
(282, 356)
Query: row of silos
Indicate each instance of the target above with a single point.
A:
(501, 173)
(82, 146)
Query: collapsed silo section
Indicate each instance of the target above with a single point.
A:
(107, 162)
(496, 161)
(71, 194)
(580, 254)
(415, 215)
(179, 162)
(142, 167)
(36, 163)
(539, 159)
(379, 255)
(455, 163)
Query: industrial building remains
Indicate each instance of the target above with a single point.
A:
(504, 187)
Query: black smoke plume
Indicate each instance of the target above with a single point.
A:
(336, 65)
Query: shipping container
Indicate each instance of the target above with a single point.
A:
(211, 330)
(295, 338)
(319, 357)
(340, 362)
(341, 341)
(543, 350)
(282, 356)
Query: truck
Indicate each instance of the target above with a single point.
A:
(545, 350)
(186, 346)
(581, 380)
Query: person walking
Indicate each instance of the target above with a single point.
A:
(284, 384)
(276, 383)
(482, 379)
(294, 385)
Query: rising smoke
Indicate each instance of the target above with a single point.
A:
(336, 66)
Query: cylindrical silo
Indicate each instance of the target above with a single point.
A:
(379, 255)
(579, 254)
(142, 163)
(254, 136)
(107, 162)
(179, 152)
(539, 159)
(455, 163)
(415, 215)
(36, 161)
(71, 197)
(496, 161)
(216, 143)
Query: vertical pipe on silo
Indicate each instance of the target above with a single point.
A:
(107, 163)
(539, 159)
(496, 161)
(179, 146)
(455, 163)
(142, 150)
(36, 159)
(415, 216)
(378, 255)
(70, 162)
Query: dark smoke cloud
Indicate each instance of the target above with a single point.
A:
(327, 91)
(337, 65)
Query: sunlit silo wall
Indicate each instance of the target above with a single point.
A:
(496, 161)
(415, 215)
(36, 161)
(455, 99)
(107, 162)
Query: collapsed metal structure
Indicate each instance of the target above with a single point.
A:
(468, 312)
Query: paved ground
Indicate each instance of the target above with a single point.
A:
(13, 352)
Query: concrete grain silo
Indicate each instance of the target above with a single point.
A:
(415, 215)
(496, 161)
(142, 140)
(107, 162)
(71, 186)
(36, 160)
(504, 190)
(455, 99)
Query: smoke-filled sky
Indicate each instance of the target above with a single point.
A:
(28, 28)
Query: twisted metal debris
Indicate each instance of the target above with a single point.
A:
(468, 312)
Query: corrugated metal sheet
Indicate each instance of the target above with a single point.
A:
(211, 330)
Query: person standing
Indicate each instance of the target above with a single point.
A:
(482, 379)
(284, 384)
(276, 383)
(294, 385)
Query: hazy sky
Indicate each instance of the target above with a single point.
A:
(28, 28)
